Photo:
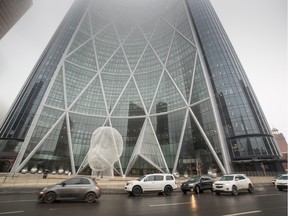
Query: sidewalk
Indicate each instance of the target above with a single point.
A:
(33, 183)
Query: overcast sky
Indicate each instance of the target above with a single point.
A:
(256, 28)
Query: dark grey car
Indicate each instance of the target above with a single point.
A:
(76, 188)
(197, 184)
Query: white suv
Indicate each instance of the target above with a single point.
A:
(233, 183)
(163, 183)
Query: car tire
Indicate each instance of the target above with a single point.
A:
(184, 191)
(234, 190)
(136, 191)
(50, 197)
(90, 197)
(250, 188)
(168, 190)
(280, 189)
(197, 189)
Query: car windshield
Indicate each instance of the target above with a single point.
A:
(284, 177)
(277, 176)
(194, 179)
(226, 178)
(141, 177)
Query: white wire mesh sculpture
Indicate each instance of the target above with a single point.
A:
(106, 147)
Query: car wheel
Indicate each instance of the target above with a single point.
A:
(168, 190)
(50, 197)
(280, 189)
(136, 191)
(197, 189)
(250, 188)
(90, 197)
(184, 191)
(234, 190)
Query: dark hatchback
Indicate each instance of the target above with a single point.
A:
(197, 184)
(76, 188)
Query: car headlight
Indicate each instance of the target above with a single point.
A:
(43, 190)
(191, 184)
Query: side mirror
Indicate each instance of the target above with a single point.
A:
(236, 179)
(63, 184)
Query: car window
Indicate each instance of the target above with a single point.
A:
(169, 177)
(240, 177)
(195, 178)
(278, 176)
(284, 177)
(73, 181)
(158, 177)
(85, 181)
(149, 178)
(141, 177)
(226, 178)
(206, 179)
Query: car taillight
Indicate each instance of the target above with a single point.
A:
(97, 188)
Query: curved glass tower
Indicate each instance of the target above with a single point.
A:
(162, 73)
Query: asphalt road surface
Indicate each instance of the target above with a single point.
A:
(263, 201)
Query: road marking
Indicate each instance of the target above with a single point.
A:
(244, 213)
(13, 201)
(13, 212)
(267, 195)
(170, 204)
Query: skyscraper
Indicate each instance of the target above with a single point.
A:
(161, 73)
(11, 12)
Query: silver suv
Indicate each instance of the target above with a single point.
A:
(233, 183)
(159, 182)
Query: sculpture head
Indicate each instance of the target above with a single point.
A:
(106, 147)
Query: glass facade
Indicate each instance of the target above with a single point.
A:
(161, 73)
(245, 128)
(11, 12)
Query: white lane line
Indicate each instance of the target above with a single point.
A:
(12, 212)
(14, 201)
(170, 204)
(264, 195)
(244, 213)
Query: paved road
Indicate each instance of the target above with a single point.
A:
(264, 201)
